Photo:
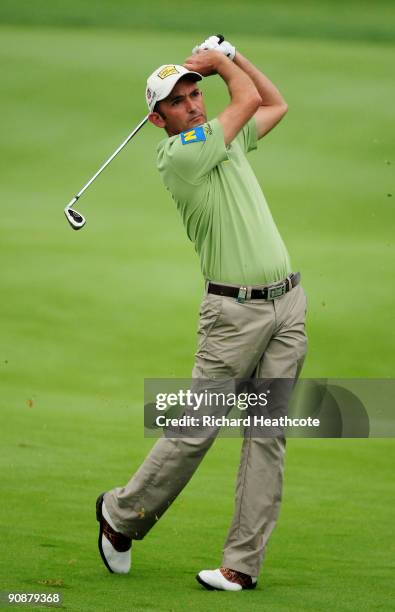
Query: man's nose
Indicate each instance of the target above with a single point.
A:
(190, 105)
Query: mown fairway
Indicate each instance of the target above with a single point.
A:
(86, 316)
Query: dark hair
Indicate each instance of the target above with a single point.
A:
(157, 110)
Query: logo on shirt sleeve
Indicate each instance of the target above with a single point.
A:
(194, 135)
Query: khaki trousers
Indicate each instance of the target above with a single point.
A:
(254, 339)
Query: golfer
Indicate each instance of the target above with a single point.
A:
(252, 316)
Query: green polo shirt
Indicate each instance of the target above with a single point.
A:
(222, 205)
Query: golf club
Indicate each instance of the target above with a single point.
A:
(75, 218)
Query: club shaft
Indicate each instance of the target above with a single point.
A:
(109, 160)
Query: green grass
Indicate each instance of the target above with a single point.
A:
(314, 19)
(86, 316)
(330, 551)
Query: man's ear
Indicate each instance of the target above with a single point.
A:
(157, 120)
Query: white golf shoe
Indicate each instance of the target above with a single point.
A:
(115, 548)
(226, 579)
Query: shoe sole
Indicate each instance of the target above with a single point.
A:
(205, 584)
(99, 516)
(211, 588)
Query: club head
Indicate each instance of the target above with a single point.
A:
(75, 219)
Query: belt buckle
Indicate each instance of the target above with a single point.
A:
(276, 291)
(241, 297)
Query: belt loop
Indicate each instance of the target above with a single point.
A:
(248, 294)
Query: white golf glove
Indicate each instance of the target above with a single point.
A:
(217, 43)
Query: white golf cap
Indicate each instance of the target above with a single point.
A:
(162, 81)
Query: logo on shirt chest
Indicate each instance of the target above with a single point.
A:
(195, 135)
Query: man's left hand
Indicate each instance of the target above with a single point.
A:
(213, 44)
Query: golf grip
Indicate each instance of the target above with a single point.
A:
(121, 146)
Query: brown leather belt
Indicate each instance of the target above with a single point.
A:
(270, 292)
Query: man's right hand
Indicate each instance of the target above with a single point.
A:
(205, 62)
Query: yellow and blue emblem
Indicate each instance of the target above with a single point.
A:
(194, 135)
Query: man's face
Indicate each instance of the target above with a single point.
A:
(182, 110)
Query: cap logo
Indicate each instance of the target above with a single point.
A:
(167, 71)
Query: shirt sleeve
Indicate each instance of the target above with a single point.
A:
(247, 137)
(194, 153)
